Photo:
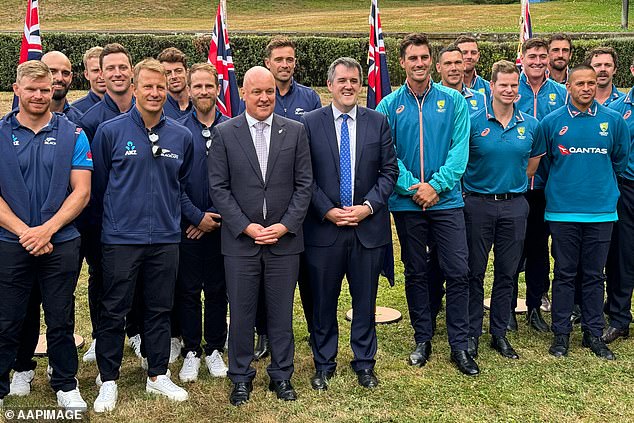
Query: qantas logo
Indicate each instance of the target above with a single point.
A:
(581, 150)
(563, 130)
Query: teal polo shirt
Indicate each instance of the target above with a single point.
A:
(625, 108)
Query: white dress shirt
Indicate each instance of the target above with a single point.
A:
(352, 131)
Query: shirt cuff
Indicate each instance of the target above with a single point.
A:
(367, 203)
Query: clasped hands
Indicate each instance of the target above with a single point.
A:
(425, 195)
(208, 224)
(349, 215)
(37, 240)
(265, 235)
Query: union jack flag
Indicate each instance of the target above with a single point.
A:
(378, 76)
(220, 56)
(526, 29)
(31, 48)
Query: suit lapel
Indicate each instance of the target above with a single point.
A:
(328, 121)
(362, 127)
(278, 133)
(243, 136)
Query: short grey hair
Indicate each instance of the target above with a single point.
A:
(348, 62)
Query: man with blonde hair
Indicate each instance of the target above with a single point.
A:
(45, 183)
(142, 163)
(92, 73)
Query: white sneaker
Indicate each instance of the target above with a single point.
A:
(191, 366)
(164, 386)
(144, 364)
(175, 349)
(98, 380)
(107, 398)
(49, 372)
(90, 355)
(21, 383)
(216, 365)
(135, 344)
(71, 400)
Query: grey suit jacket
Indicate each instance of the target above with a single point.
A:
(237, 188)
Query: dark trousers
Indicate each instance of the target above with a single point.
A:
(501, 225)
(436, 284)
(90, 250)
(575, 244)
(276, 276)
(122, 264)
(620, 266)
(201, 269)
(535, 255)
(134, 318)
(327, 266)
(446, 229)
(30, 333)
(305, 295)
(56, 275)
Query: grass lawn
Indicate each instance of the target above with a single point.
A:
(315, 15)
(537, 387)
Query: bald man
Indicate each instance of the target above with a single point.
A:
(260, 180)
(61, 68)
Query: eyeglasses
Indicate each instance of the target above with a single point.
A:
(156, 149)
(206, 133)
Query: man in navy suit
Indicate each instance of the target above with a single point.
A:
(348, 226)
(260, 181)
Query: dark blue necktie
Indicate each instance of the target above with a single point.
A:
(345, 187)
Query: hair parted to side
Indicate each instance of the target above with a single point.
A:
(278, 42)
(413, 39)
(503, 66)
(172, 55)
(202, 67)
(91, 53)
(560, 37)
(600, 50)
(348, 62)
(448, 49)
(113, 48)
(464, 39)
(534, 43)
(148, 64)
(34, 69)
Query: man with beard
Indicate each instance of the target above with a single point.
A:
(201, 266)
(45, 183)
(559, 54)
(603, 60)
(471, 56)
(61, 70)
(92, 72)
(178, 103)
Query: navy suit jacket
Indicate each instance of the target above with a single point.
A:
(238, 190)
(376, 171)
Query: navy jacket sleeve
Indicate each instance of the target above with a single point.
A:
(185, 171)
(381, 191)
(102, 163)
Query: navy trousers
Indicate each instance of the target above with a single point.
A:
(620, 266)
(122, 265)
(535, 258)
(327, 267)
(501, 225)
(56, 276)
(245, 276)
(577, 245)
(201, 269)
(446, 230)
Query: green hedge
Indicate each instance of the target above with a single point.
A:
(314, 53)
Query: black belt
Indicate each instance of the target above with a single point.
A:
(626, 182)
(497, 197)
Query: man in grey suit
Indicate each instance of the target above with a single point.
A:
(260, 180)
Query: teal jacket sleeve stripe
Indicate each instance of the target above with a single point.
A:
(450, 173)
(405, 178)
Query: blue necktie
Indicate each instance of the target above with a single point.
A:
(345, 187)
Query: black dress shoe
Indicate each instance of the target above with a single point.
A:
(262, 348)
(472, 346)
(464, 362)
(319, 381)
(560, 345)
(612, 334)
(536, 320)
(420, 355)
(512, 324)
(504, 347)
(240, 393)
(575, 317)
(367, 378)
(597, 346)
(283, 389)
